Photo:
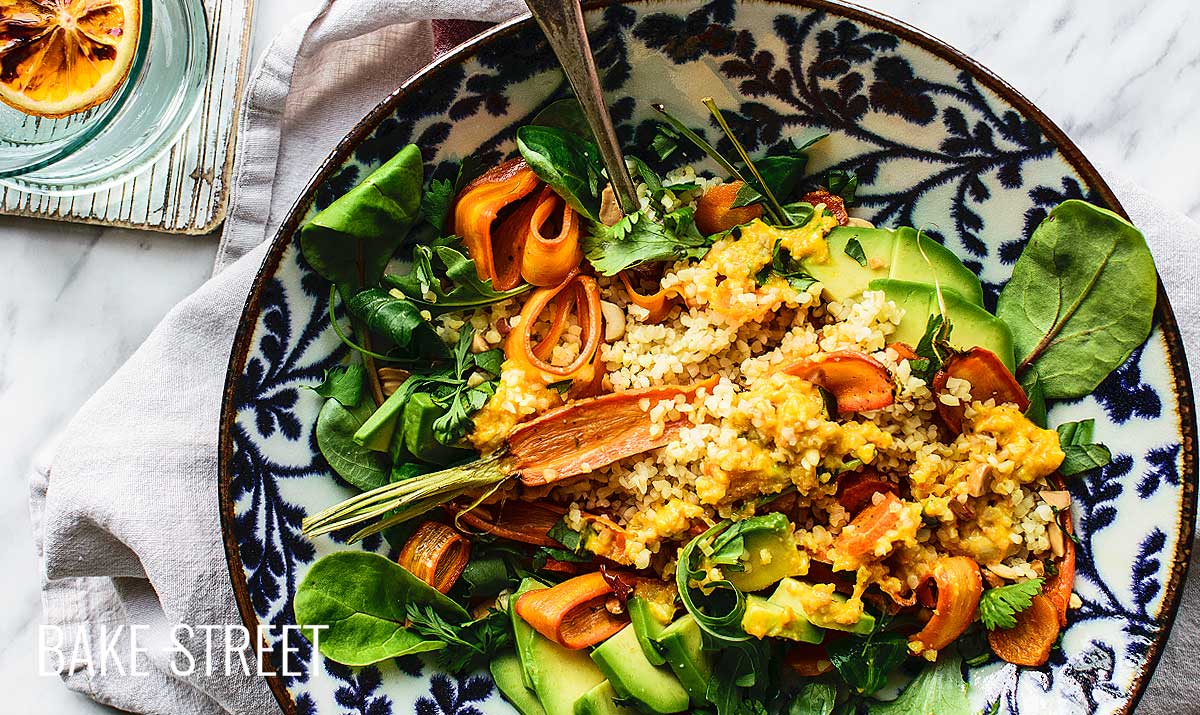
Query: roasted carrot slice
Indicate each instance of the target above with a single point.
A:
(715, 212)
(436, 554)
(521, 521)
(833, 202)
(858, 540)
(989, 380)
(573, 613)
(658, 304)
(959, 587)
(1058, 588)
(588, 434)
(856, 489)
(481, 202)
(859, 382)
(1030, 641)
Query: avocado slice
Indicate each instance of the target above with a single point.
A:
(523, 633)
(769, 556)
(417, 427)
(764, 619)
(602, 700)
(376, 433)
(620, 658)
(557, 675)
(790, 595)
(901, 254)
(510, 679)
(648, 627)
(971, 326)
(683, 645)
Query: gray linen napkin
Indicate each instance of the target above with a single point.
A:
(125, 512)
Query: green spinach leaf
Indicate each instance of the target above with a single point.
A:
(363, 468)
(1032, 384)
(814, 698)
(567, 162)
(364, 600)
(637, 239)
(394, 318)
(426, 286)
(939, 689)
(865, 662)
(1081, 298)
(352, 240)
(565, 114)
(343, 383)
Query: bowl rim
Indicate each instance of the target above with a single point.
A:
(1164, 315)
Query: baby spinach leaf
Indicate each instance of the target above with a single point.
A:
(364, 599)
(343, 383)
(565, 114)
(939, 688)
(814, 698)
(426, 286)
(352, 240)
(1080, 454)
(358, 465)
(1081, 298)
(782, 169)
(567, 162)
(637, 239)
(387, 315)
(1032, 384)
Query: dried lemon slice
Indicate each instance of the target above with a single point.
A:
(59, 57)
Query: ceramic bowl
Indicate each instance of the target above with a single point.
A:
(937, 141)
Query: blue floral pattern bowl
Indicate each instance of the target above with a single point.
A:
(937, 142)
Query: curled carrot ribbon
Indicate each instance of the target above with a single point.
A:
(481, 202)
(959, 587)
(573, 613)
(577, 293)
(436, 554)
(658, 304)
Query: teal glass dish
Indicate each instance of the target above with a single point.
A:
(125, 134)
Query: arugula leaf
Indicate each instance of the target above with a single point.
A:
(343, 383)
(998, 605)
(424, 287)
(469, 646)
(637, 239)
(567, 162)
(939, 689)
(351, 241)
(360, 466)
(933, 348)
(865, 662)
(843, 183)
(854, 249)
(1080, 453)
(1081, 298)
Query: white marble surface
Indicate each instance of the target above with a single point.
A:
(1122, 78)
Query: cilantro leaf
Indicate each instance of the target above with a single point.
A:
(854, 249)
(783, 265)
(638, 239)
(424, 286)
(998, 605)
(1080, 453)
(435, 203)
(782, 169)
(342, 383)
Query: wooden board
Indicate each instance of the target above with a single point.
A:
(187, 189)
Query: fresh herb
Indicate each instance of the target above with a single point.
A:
(783, 265)
(739, 667)
(797, 214)
(771, 206)
(665, 141)
(343, 383)
(783, 167)
(939, 689)
(384, 314)
(1032, 385)
(638, 239)
(562, 387)
(435, 203)
(364, 600)
(425, 286)
(351, 241)
(814, 698)
(843, 183)
(1081, 298)
(1080, 453)
(565, 114)
(468, 647)
(746, 195)
(649, 177)
(457, 395)
(855, 250)
(570, 539)
(865, 661)
(336, 425)
(933, 349)
(490, 572)
(567, 162)
(998, 606)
